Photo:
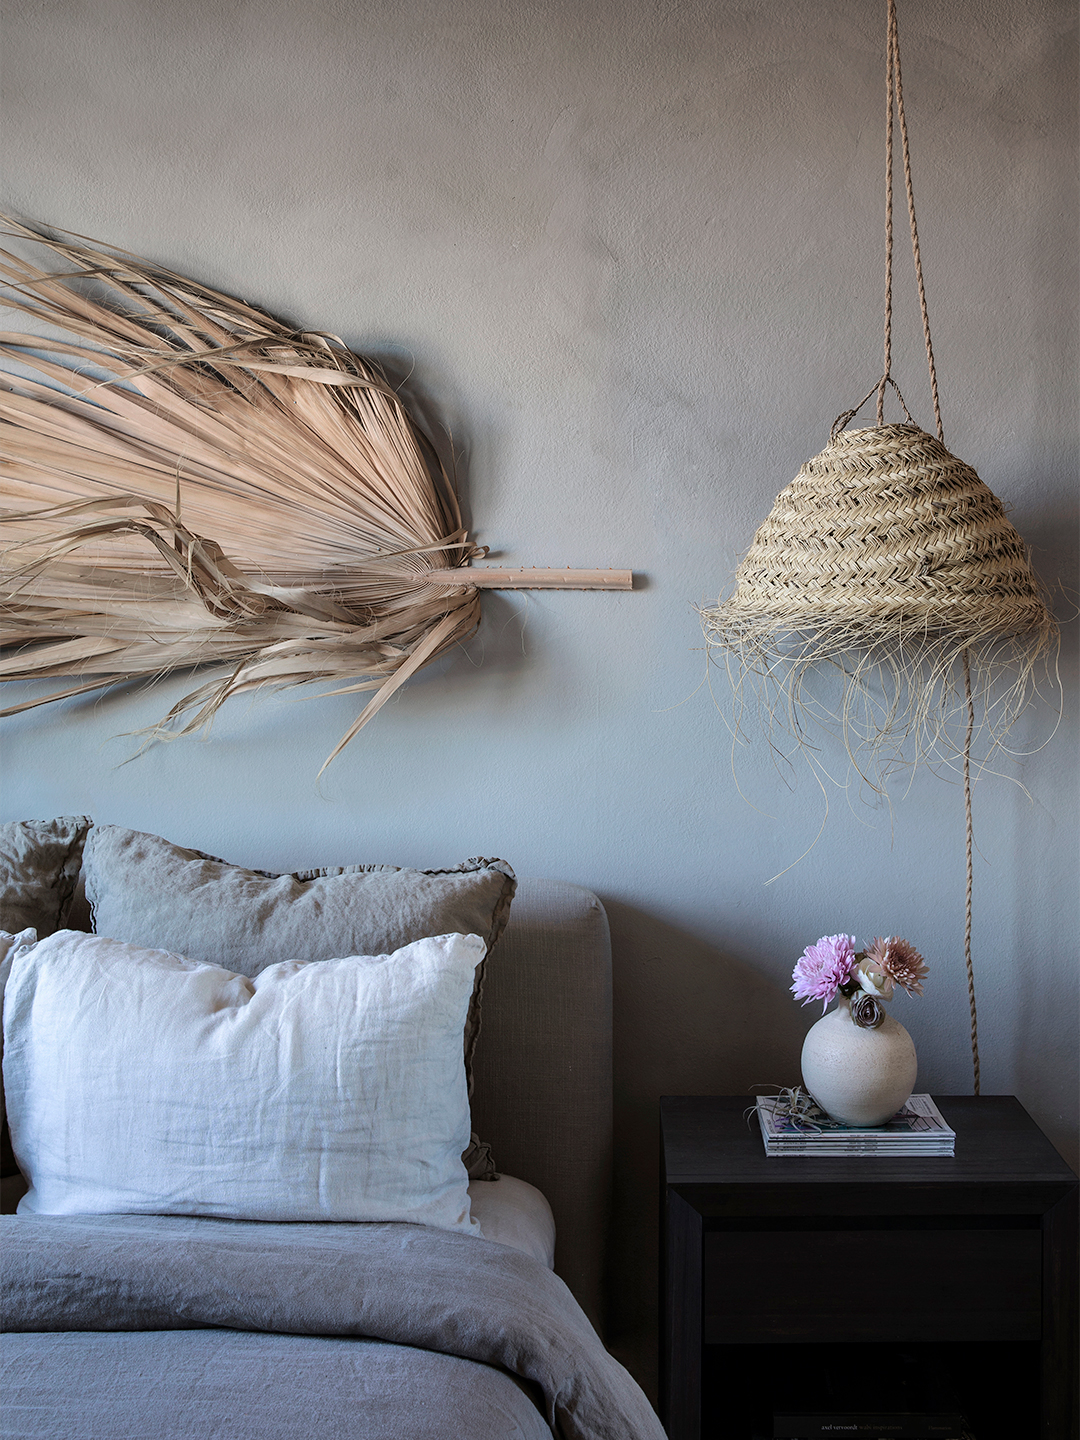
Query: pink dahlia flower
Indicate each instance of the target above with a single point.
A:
(822, 968)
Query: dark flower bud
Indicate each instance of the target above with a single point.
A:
(866, 1011)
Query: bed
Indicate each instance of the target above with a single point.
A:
(133, 1318)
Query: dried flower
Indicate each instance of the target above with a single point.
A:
(873, 979)
(866, 977)
(901, 961)
(867, 1012)
(822, 968)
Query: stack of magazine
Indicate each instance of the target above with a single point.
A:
(918, 1129)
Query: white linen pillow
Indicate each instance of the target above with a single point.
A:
(138, 1081)
(10, 945)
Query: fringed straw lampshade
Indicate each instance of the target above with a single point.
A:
(884, 540)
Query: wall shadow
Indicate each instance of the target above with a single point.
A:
(689, 1019)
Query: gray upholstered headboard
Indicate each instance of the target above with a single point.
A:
(543, 1083)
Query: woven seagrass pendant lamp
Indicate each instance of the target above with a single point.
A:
(889, 560)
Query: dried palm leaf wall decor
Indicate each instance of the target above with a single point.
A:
(189, 482)
(888, 563)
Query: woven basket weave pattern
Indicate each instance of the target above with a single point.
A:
(886, 528)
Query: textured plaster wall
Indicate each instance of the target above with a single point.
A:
(630, 253)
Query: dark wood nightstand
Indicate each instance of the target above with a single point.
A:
(785, 1277)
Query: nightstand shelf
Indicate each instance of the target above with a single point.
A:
(907, 1282)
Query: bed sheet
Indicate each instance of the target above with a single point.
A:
(513, 1212)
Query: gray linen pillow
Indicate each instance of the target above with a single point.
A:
(146, 891)
(39, 869)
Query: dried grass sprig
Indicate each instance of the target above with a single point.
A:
(189, 481)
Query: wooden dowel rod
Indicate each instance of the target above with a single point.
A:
(490, 578)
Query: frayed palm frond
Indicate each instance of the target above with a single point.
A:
(188, 482)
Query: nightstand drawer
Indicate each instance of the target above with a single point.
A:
(888, 1284)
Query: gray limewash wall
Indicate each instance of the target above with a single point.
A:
(631, 252)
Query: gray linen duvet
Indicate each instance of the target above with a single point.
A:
(149, 1327)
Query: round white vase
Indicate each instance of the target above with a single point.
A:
(859, 1077)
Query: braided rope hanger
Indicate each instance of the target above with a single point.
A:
(895, 106)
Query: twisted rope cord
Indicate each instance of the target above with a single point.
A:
(970, 874)
(894, 38)
(889, 84)
(895, 103)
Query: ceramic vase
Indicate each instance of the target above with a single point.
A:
(859, 1077)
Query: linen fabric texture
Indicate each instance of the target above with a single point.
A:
(420, 1289)
(10, 945)
(39, 869)
(147, 891)
(140, 1081)
(517, 1214)
(176, 1384)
